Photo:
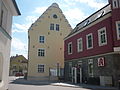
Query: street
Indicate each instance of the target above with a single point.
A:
(43, 87)
(14, 86)
(18, 83)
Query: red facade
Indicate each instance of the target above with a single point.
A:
(110, 24)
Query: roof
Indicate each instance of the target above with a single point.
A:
(92, 18)
(16, 7)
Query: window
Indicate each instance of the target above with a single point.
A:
(102, 37)
(3, 16)
(118, 29)
(41, 39)
(79, 45)
(70, 48)
(41, 52)
(1, 19)
(89, 41)
(57, 27)
(41, 68)
(52, 26)
(90, 67)
(55, 16)
(115, 4)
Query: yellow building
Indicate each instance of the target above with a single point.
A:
(18, 65)
(46, 45)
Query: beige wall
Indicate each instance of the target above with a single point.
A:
(53, 42)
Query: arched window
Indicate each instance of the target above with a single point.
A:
(1, 66)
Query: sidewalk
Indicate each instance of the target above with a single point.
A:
(66, 84)
(92, 87)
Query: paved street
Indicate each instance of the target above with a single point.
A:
(43, 87)
(47, 86)
(16, 83)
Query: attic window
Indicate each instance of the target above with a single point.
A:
(101, 14)
(87, 22)
(55, 16)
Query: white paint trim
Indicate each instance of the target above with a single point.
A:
(44, 52)
(116, 49)
(90, 34)
(113, 2)
(99, 36)
(37, 68)
(118, 34)
(79, 50)
(69, 49)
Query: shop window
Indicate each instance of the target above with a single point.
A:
(90, 67)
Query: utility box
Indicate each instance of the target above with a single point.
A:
(106, 80)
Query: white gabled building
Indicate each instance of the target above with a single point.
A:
(8, 9)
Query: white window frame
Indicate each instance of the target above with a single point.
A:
(78, 45)
(42, 40)
(117, 28)
(90, 34)
(69, 49)
(40, 52)
(90, 61)
(113, 2)
(38, 68)
(99, 36)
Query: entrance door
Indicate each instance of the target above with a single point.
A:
(74, 74)
(79, 75)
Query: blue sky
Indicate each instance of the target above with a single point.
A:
(74, 10)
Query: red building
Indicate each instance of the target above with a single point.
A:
(92, 49)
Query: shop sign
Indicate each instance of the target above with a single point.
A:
(101, 62)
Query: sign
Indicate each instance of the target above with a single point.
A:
(101, 62)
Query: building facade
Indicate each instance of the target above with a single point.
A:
(92, 49)
(46, 45)
(8, 9)
(18, 65)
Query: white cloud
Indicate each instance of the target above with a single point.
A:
(75, 16)
(39, 10)
(19, 47)
(24, 27)
(97, 4)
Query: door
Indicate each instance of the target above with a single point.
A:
(74, 74)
